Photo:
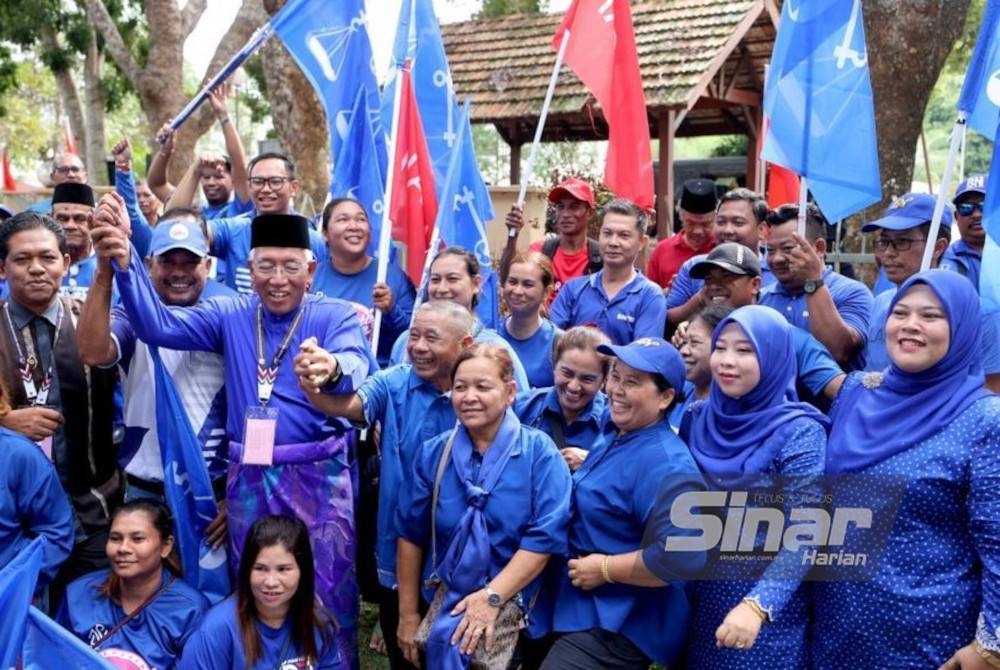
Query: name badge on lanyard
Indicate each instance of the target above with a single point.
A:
(258, 435)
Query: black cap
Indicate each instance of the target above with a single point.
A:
(79, 194)
(698, 196)
(730, 256)
(280, 230)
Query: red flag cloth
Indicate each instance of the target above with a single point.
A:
(601, 51)
(69, 140)
(412, 203)
(782, 186)
(9, 183)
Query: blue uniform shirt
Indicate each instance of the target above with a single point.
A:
(539, 408)
(142, 233)
(231, 244)
(411, 411)
(357, 288)
(638, 310)
(227, 210)
(685, 286)
(535, 352)
(77, 281)
(32, 503)
(218, 645)
(964, 260)
(157, 633)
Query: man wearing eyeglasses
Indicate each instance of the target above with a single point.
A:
(286, 457)
(273, 188)
(965, 255)
(66, 169)
(73, 210)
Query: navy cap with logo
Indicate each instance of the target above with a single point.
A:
(698, 196)
(653, 355)
(974, 183)
(909, 211)
(730, 256)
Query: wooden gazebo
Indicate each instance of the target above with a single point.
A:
(702, 65)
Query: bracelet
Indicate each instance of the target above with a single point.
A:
(224, 120)
(991, 657)
(604, 570)
(757, 609)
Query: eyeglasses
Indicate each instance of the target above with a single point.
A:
(897, 243)
(967, 208)
(68, 169)
(289, 269)
(274, 182)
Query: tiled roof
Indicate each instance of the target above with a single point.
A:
(504, 64)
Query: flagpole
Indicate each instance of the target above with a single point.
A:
(385, 234)
(961, 162)
(435, 242)
(530, 166)
(803, 204)
(942, 195)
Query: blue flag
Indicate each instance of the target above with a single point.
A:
(980, 97)
(418, 38)
(17, 585)
(464, 209)
(48, 645)
(188, 489)
(329, 41)
(356, 170)
(818, 100)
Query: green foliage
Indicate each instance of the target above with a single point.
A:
(494, 8)
(730, 145)
(252, 95)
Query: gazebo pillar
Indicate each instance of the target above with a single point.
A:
(665, 185)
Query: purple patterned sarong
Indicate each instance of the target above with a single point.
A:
(312, 481)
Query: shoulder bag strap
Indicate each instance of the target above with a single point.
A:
(442, 464)
(134, 613)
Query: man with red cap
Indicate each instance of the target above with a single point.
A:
(573, 254)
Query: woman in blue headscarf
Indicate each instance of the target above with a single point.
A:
(487, 504)
(929, 423)
(750, 431)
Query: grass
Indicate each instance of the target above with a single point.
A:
(368, 658)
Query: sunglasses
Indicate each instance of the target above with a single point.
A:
(967, 208)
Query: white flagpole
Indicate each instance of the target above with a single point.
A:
(385, 234)
(530, 166)
(803, 204)
(942, 195)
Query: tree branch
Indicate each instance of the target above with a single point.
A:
(105, 25)
(191, 14)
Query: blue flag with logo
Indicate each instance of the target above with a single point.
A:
(356, 171)
(188, 489)
(17, 585)
(818, 100)
(48, 645)
(418, 38)
(464, 209)
(980, 97)
(329, 41)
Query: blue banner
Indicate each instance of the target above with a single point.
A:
(48, 645)
(356, 171)
(980, 97)
(17, 585)
(818, 101)
(464, 209)
(329, 41)
(188, 489)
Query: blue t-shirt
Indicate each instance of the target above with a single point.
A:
(964, 260)
(535, 352)
(637, 310)
(357, 288)
(685, 286)
(76, 283)
(157, 634)
(231, 244)
(227, 210)
(218, 645)
(539, 408)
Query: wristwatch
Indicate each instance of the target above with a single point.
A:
(812, 285)
(493, 598)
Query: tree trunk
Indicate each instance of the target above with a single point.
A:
(298, 117)
(95, 148)
(70, 99)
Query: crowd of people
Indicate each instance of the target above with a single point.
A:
(507, 493)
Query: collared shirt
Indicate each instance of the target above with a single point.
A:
(535, 351)
(637, 310)
(227, 210)
(539, 408)
(685, 286)
(357, 288)
(411, 411)
(231, 244)
(669, 256)
(964, 260)
(852, 299)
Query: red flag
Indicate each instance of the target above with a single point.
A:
(601, 51)
(69, 140)
(412, 203)
(782, 186)
(9, 183)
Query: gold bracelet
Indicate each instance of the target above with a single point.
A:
(757, 609)
(604, 570)
(991, 657)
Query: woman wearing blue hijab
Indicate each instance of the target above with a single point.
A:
(929, 422)
(749, 429)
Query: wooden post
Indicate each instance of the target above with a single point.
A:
(665, 185)
(755, 142)
(515, 164)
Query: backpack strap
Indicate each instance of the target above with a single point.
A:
(549, 246)
(594, 263)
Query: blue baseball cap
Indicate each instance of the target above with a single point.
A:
(909, 211)
(652, 355)
(974, 183)
(175, 234)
